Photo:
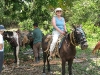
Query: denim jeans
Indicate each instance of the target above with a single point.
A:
(1, 60)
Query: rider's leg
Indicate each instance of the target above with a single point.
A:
(55, 35)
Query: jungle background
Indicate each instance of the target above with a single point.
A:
(23, 13)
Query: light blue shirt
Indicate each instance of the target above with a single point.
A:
(59, 23)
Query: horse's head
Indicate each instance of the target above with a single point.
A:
(79, 37)
(7, 35)
(29, 35)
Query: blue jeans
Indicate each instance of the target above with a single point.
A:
(1, 60)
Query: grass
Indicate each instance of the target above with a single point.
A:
(92, 64)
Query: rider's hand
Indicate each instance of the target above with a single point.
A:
(63, 32)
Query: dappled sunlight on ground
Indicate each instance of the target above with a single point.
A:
(30, 68)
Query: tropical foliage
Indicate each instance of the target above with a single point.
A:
(23, 13)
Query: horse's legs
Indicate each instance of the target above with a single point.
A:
(48, 64)
(63, 67)
(44, 61)
(31, 44)
(70, 66)
(17, 53)
(14, 48)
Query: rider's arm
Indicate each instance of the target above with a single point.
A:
(1, 46)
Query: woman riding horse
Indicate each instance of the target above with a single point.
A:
(67, 50)
(59, 27)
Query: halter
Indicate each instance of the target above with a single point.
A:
(72, 38)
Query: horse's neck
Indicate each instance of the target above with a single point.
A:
(72, 39)
(66, 40)
(68, 46)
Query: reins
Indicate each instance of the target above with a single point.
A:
(72, 39)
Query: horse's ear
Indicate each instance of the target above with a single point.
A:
(81, 25)
(73, 26)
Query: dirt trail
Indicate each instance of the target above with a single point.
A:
(29, 68)
(26, 68)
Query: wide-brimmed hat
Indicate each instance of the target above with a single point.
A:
(2, 28)
(58, 9)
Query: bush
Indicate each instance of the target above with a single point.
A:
(26, 24)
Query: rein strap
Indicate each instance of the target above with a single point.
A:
(72, 39)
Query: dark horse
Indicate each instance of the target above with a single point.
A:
(67, 50)
(13, 38)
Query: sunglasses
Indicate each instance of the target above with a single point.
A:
(58, 11)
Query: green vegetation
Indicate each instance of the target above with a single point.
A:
(23, 13)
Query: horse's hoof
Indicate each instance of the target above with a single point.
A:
(43, 73)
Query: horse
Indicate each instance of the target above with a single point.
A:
(26, 39)
(29, 36)
(13, 38)
(31, 39)
(97, 47)
(67, 51)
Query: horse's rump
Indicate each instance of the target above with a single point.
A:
(97, 47)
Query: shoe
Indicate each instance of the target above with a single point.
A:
(36, 60)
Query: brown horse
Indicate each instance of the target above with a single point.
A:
(97, 47)
(67, 50)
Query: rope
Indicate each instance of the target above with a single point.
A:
(72, 39)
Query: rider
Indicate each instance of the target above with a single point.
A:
(59, 27)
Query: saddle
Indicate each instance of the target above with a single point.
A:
(57, 46)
